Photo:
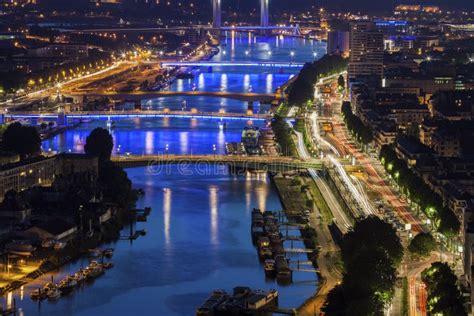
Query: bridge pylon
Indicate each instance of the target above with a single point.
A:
(264, 14)
(216, 14)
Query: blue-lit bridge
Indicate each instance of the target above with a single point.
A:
(208, 163)
(143, 95)
(63, 117)
(288, 64)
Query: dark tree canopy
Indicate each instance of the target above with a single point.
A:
(362, 133)
(23, 140)
(114, 181)
(99, 143)
(419, 192)
(423, 244)
(444, 296)
(302, 89)
(371, 253)
(341, 82)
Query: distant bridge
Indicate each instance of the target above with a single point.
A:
(134, 114)
(239, 28)
(261, 64)
(205, 162)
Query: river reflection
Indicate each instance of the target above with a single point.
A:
(198, 239)
(199, 230)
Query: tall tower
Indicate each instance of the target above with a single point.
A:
(216, 14)
(366, 51)
(264, 13)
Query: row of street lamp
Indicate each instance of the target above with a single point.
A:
(292, 53)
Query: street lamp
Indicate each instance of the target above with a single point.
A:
(247, 53)
(166, 148)
(214, 149)
(315, 54)
(292, 54)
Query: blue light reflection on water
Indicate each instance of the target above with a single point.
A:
(198, 239)
(199, 231)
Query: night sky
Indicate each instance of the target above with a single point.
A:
(362, 5)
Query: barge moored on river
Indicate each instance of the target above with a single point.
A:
(269, 242)
(243, 302)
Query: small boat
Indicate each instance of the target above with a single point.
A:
(269, 268)
(108, 265)
(108, 253)
(147, 210)
(95, 252)
(38, 294)
(54, 294)
(79, 276)
(95, 270)
(140, 191)
(67, 285)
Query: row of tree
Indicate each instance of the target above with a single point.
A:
(444, 296)
(371, 253)
(302, 89)
(361, 132)
(420, 193)
(22, 140)
(283, 136)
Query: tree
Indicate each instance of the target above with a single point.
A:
(23, 140)
(423, 244)
(302, 88)
(116, 185)
(99, 143)
(113, 180)
(444, 296)
(371, 253)
(341, 82)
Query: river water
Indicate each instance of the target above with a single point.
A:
(199, 230)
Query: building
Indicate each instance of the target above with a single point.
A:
(56, 229)
(71, 52)
(385, 133)
(446, 143)
(453, 105)
(42, 171)
(366, 51)
(411, 150)
(338, 43)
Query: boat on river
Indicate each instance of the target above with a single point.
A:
(67, 285)
(54, 294)
(269, 268)
(243, 301)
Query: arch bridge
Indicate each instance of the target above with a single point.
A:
(207, 163)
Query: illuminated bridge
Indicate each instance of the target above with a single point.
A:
(232, 64)
(63, 117)
(143, 95)
(208, 163)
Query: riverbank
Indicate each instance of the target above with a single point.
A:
(74, 250)
(297, 193)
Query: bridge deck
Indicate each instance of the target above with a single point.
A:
(276, 163)
(141, 113)
(262, 64)
(142, 95)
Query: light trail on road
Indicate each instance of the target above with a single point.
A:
(341, 219)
